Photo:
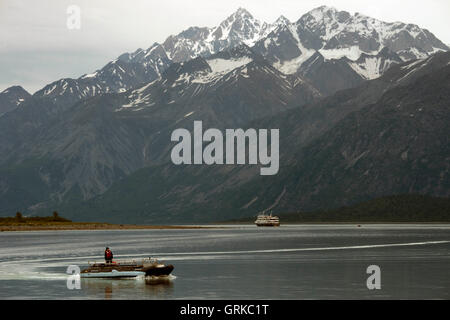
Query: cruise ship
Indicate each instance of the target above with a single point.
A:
(264, 220)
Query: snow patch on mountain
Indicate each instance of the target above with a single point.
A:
(291, 66)
(353, 53)
(371, 68)
(222, 66)
(219, 68)
(90, 75)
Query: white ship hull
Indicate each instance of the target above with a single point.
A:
(113, 274)
(267, 221)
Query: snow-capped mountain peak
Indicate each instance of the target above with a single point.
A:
(323, 16)
(242, 13)
(323, 12)
(238, 28)
(281, 21)
(360, 41)
(358, 33)
(242, 27)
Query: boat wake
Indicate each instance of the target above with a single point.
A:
(54, 268)
(30, 271)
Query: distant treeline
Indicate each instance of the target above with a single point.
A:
(398, 208)
(19, 219)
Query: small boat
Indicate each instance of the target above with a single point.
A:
(126, 269)
(264, 220)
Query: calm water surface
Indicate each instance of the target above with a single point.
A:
(238, 262)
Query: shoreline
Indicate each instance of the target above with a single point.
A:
(93, 226)
(222, 225)
(341, 222)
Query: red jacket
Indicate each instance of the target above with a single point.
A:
(108, 255)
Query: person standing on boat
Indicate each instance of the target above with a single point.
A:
(108, 255)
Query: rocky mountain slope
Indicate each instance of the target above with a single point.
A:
(80, 152)
(389, 136)
(11, 98)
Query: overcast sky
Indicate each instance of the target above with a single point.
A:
(36, 47)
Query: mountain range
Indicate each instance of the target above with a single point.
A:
(360, 103)
(364, 47)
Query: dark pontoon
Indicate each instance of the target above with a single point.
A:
(126, 269)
